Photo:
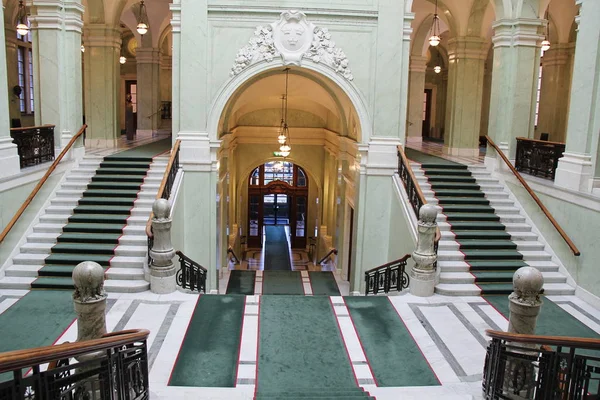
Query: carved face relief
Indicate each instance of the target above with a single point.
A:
(292, 34)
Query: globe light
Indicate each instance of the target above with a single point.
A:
(545, 45)
(122, 60)
(281, 138)
(22, 29)
(82, 48)
(142, 28)
(437, 69)
(285, 148)
(434, 40)
(284, 153)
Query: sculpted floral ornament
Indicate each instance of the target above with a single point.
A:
(293, 38)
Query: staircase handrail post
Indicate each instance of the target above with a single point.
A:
(525, 302)
(423, 273)
(162, 269)
(89, 301)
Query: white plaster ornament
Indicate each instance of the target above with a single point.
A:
(293, 38)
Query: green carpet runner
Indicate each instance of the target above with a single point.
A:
(210, 351)
(301, 349)
(92, 232)
(491, 255)
(277, 254)
(323, 283)
(241, 282)
(282, 282)
(394, 356)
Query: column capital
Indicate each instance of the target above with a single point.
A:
(57, 14)
(102, 36)
(175, 17)
(147, 55)
(518, 32)
(407, 29)
(467, 47)
(418, 64)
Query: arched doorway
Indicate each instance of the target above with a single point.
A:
(278, 195)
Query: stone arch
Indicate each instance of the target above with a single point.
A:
(94, 12)
(477, 17)
(229, 89)
(446, 16)
(421, 35)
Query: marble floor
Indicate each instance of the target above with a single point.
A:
(450, 332)
(437, 149)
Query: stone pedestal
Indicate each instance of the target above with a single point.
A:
(524, 301)
(422, 282)
(162, 270)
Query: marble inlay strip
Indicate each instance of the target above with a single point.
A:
(258, 283)
(580, 310)
(484, 316)
(306, 283)
(354, 349)
(248, 354)
(6, 301)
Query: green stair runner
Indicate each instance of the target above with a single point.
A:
(491, 255)
(92, 232)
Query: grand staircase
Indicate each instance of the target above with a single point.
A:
(98, 214)
(485, 239)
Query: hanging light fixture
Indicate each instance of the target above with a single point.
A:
(82, 48)
(284, 134)
(122, 59)
(281, 138)
(22, 23)
(142, 26)
(435, 39)
(546, 42)
(438, 68)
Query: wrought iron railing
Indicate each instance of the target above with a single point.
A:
(114, 367)
(235, 258)
(535, 198)
(191, 275)
(165, 110)
(388, 277)
(327, 256)
(35, 144)
(541, 367)
(538, 157)
(164, 191)
(413, 190)
(41, 183)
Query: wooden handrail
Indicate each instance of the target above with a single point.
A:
(566, 238)
(163, 183)
(398, 261)
(230, 251)
(540, 141)
(332, 251)
(567, 341)
(37, 187)
(18, 359)
(26, 128)
(412, 176)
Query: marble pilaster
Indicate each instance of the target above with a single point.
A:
(514, 80)
(416, 87)
(466, 57)
(56, 30)
(579, 168)
(555, 90)
(148, 86)
(12, 71)
(9, 158)
(102, 78)
(162, 270)
(166, 71)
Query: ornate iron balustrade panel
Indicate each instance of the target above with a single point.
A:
(35, 145)
(537, 157)
(514, 371)
(119, 373)
(386, 278)
(191, 275)
(409, 185)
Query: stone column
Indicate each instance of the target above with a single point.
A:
(579, 168)
(9, 157)
(466, 57)
(555, 91)
(12, 71)
(166, 70)
(524, 301)
(422, 282)
(162, 270)
(416, 88)
(148, 86)
(514, 82)
(89, 299)
(56, 29)
(102, 79)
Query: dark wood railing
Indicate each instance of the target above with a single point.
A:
(114, 367)
(538, 157)
(562, 233)
(37, 187)
(327, 256)
(191, 275)
(541, 367)
(235, 258)
(387, 277)
(413, 190)
(35, 144)
(164, 191)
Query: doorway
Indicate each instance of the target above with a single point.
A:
(276, 209)
(427, 95)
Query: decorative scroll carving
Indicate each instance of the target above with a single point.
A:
(293, 38)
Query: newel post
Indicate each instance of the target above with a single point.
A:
(89, 300)
(524, 301)
(162, 270)
(422, 282)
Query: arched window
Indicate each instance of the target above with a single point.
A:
(25, 72)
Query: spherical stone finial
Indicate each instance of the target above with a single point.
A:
(528, 282)
(428, 213)
(161, 209)
(88, 279)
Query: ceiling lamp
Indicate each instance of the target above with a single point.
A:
(437, 69)
(82, 48)
(122, 59)
(435, 39)
(546, 42)
(284, 133)
(22, 24)
(142, 26)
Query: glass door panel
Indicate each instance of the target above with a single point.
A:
(282, 210)
(254, 222)
(270, 209)
(300, 229)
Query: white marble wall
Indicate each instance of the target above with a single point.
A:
(148, 86)
(416, 87)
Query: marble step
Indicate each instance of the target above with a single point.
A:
(35, 237)
(127, 262)
(131, 251)
(36, 248)
(465, 289)
(133, 240)
(125, 273)
(467, 277)
(535, 256)
(48, 228)
(110, 285)
(462, 266)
